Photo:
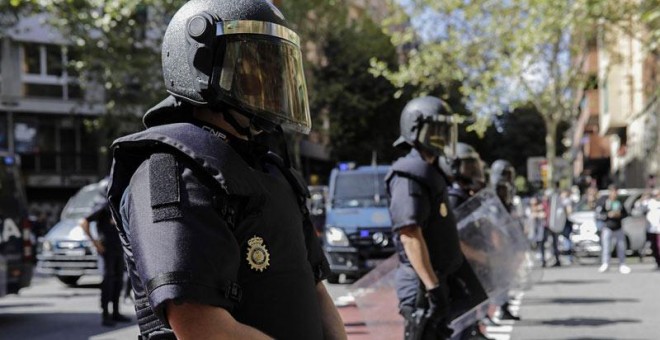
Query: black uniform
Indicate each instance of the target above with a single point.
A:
(457, 195)
(113, 261)
(419, 197)
(216, 222)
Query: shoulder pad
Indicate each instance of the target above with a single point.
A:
(415, 168)
(190, 142)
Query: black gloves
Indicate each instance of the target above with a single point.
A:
(438, 302)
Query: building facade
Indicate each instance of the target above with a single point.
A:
(618, 128)
(43, 112)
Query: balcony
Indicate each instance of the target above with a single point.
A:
(59, 169)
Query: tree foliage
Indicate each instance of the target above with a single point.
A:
(504, 53)
(363, 113)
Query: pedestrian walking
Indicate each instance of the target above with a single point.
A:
(653, 219)
(611, 211)
(547, 231)
(215, 226)
(108, 246)
(426, 238)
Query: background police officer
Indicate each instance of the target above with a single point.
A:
(108, 246)
(502, 177)
(426, 238)
(468, 178)
(215, 228)
(467, 173)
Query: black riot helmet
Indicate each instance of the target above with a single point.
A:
(502, 170)
(502, 176)
(467, 168)
(239, 55)
(427, 125)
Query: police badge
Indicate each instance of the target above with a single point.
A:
(257, 254)
(443, 209)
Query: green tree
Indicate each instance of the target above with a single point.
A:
(503, 52)
(363, 113)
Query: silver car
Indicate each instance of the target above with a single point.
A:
(65, 251)
(586, 232)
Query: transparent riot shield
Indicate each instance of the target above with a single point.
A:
(494, 244)
(557, 214)
(376, 300)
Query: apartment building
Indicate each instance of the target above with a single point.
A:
(43, 112)
(618, 128)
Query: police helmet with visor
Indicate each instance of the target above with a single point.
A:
(468, 167)
(240, 55)
(427, 125)
(502, 176)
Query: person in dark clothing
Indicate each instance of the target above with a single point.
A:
(109, 248)
(426, 238)
(468, 178)
(611, 211)
(214, 224)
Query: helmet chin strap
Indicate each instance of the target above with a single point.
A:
(243, 130)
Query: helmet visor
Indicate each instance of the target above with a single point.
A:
(471, 168)
(439, 136)
(264, 75)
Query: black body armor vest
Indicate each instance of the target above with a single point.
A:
(281, 300)
(439, 231)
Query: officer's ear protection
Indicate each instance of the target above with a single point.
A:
(202, 45)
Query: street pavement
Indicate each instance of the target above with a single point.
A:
(576, 302)
(570, 303)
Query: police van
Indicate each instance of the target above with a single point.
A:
(358, 229)
(16, 237)
(65, 251)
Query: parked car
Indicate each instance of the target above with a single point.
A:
(65, 251)
(16, 236)
(586, 232)
(358, 229)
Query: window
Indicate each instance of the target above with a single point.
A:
(47, 72)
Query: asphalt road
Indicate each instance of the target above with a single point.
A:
(569, 303)
(50, 310)
(577, 302)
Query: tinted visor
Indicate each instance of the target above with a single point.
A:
(262, 73)
(439, 136)
(472, 169)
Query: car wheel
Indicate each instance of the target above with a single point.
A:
(333, 278)
(69, 280)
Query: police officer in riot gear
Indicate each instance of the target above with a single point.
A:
(215, 228)
(468, 178)
(426, 237)
(468, 175)
(502, 176)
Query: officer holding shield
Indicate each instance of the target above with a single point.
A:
(426, 237)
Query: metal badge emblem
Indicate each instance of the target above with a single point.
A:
(257, 254)
(443, 209)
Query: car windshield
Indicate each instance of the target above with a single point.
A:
(360, 190)
(81, 204)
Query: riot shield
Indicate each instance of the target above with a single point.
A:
(557, 214)
(375, 298)
(493, 243)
